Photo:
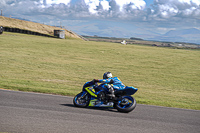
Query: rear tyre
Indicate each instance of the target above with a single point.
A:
(126, 104)
(81, 100)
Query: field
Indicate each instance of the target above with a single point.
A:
(163, 76)
(174, 45)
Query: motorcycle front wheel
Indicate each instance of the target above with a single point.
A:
(81, 100)
(125, 104)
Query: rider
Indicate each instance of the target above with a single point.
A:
(112, 83)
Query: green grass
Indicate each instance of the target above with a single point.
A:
(164, 77)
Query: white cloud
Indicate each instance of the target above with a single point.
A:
(123, 5)
(135, 4)
(176, 8)
(47, 3)
(105, 5)
(94, 4)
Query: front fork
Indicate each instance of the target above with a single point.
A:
(84, 95)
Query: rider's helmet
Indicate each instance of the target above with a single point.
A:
(107, 75)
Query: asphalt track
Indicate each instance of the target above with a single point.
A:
(23, 112)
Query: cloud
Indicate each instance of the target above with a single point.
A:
(118, 9)
(93, 5)
(18, 7)
(133, 4)
(162, 14)
(51, 2)
(175, 8)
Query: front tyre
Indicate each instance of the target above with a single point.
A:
(81, 100)
(126, 104)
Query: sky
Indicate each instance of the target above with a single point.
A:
(113, 18)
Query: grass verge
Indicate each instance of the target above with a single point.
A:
(164, 77)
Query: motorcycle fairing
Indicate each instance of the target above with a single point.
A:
(128, 90)
(96, 103)
(91, 91)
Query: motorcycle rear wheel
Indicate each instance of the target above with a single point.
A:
(81, 100)
(126, 104)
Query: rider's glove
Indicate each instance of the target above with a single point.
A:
(111, 81)
(95, 80)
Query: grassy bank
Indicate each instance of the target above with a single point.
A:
(164, 77)
(32, 26)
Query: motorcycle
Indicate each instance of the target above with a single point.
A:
(95, 95)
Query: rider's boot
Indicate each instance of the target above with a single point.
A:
(111, 95)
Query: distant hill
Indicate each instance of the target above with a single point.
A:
(186, 35)
(192, 31)
(32, 26)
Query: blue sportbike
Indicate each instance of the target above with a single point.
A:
(98, 96)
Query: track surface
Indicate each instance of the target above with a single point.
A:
(39, 113)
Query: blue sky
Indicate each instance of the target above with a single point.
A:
(149, 2)
(114, 18)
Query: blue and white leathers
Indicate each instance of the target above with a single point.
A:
(116, 83)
